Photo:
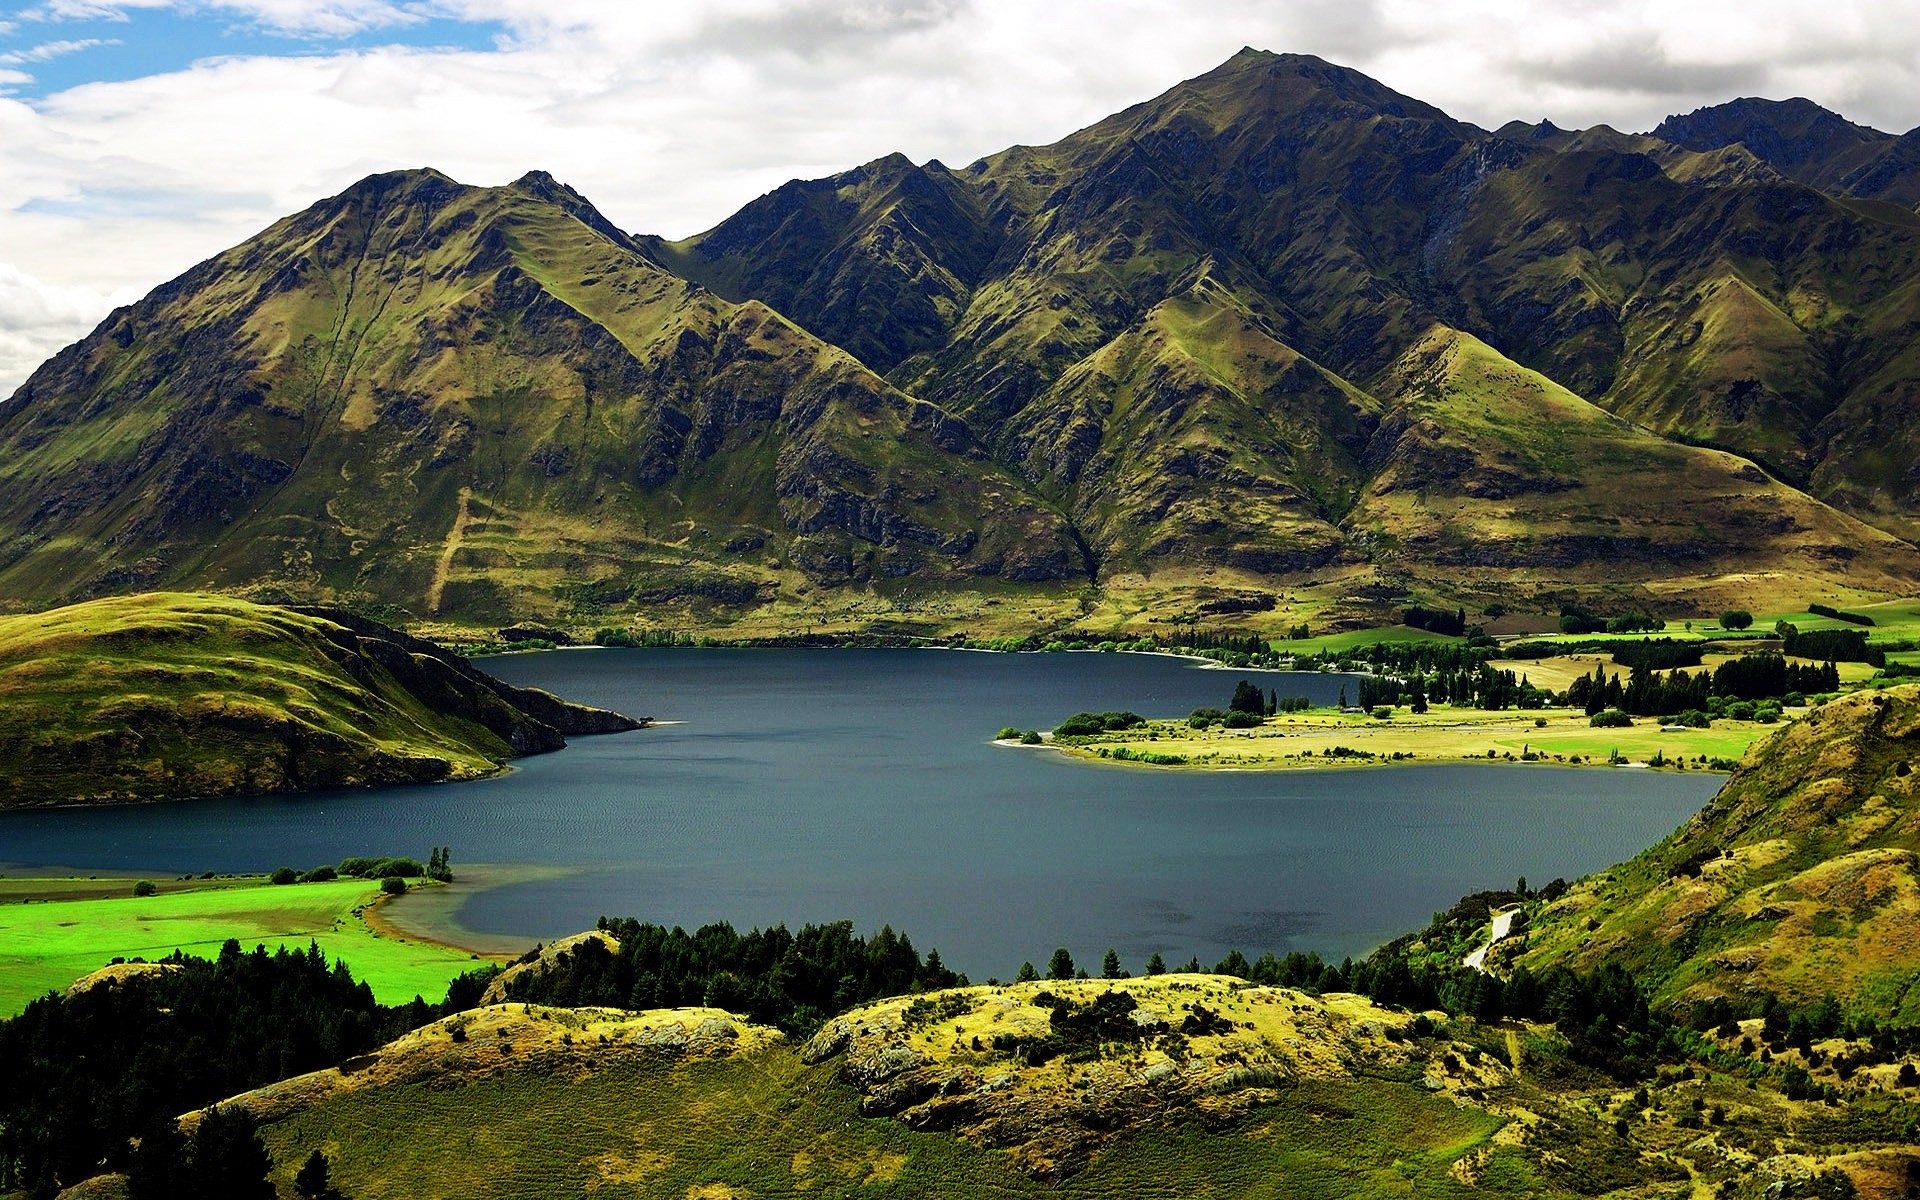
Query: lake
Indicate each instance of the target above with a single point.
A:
(819, 785)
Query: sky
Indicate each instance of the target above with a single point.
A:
(138, 137)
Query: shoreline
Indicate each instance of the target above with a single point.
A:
(431, 914)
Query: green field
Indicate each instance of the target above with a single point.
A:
(763, 1125)
(47, 943)
(1444, 734)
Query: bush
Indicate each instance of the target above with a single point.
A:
(284, 875)
(1031, 738)
(1609, 718)
(381, 868)
(1008, 734)
(1238, 719)
(1086, 724)
(1736, 618)
(393, 885)
(145, 887)
(1381, 712)
(1200, 718)
(320, 874)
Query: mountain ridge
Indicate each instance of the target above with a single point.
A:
(1174, 342)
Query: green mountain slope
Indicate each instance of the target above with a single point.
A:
(465, 400)
(1481, 463)
(161, 696)
(1221, 332)
(1697, 289)
(1801, 877)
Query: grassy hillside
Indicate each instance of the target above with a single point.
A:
(1799, 878)
(164, 695)
(1482, 464)
(583, 1106)
(1267, 1092)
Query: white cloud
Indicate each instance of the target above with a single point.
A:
(37, 319)
(48, 51)
(673, 113)
(87, 10)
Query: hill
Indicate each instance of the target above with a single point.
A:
(1800, 879)
(1280, 328)
(160, 696)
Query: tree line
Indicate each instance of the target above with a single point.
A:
(794, 981)
(88, 1072)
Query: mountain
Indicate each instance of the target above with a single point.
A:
(1312, 227)
(441, 396)
(164, 696)
(1808, 144)
(1280, 327)
(1801, 877)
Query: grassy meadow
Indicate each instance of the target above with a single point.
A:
(1316, 738)
(53, 931)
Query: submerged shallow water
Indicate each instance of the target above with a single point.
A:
(819, 785)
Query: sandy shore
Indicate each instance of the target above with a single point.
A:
(431, 914)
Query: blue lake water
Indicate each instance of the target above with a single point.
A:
(819, 785)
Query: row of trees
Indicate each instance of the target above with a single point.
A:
(1652, 693)
(791, 980)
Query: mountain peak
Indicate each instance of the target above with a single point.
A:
(411, 185)
(1783, 132)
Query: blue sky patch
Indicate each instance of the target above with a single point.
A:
(61, 54)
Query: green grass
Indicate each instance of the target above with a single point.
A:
(763, 1125)
(1356, 639)
(165, 695)
(1444, 734)
(47, 944)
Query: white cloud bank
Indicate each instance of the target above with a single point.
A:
(671, 114)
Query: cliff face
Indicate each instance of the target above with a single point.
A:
(164, 696)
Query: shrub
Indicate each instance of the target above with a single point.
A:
(284, 875)
(1008, 734)
(1200, 718)
(1031, 738)
(145, 887)
(1237, 719)
(393, 885)
(320, 874)
(1381, 712)
(1609, 718)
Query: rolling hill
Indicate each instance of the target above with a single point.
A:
(161, 696)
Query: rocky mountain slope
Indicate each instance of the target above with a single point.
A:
(1279, 321)
(162, 696)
